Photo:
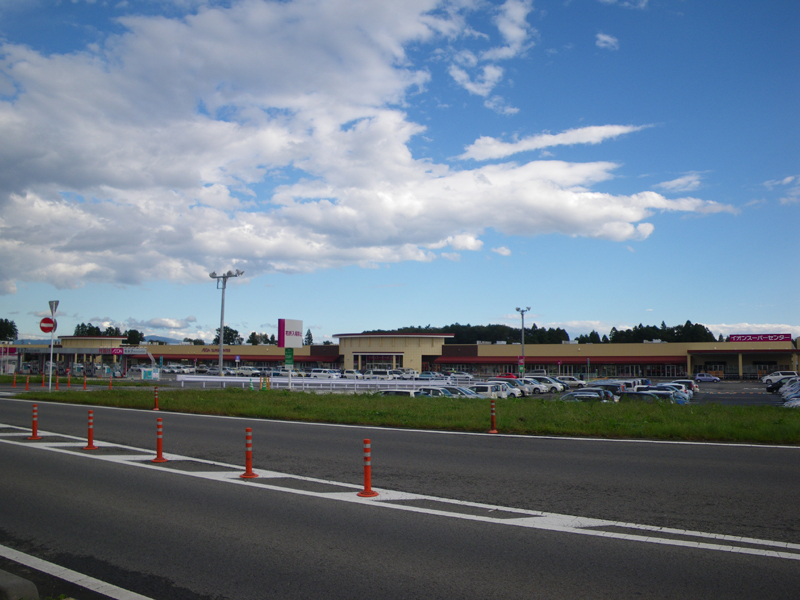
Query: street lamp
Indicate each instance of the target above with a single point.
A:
(224, 279)
(522, 312)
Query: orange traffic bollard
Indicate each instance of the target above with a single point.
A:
(159, 442)
(35, 426)
(156, 408)
(27, 383)
(84, 381)
(367, 492)
(248, 455)
(14, 384)
(90, 445)
(494, 428)
(42, 379)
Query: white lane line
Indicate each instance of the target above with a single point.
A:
(446, 507)
(89, 583)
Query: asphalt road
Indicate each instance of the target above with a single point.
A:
(168, 534)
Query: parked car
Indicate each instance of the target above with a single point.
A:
(436, 392)
(549, 386)
(608, 395)
(325, 374)
(409, 373)
(524, 388)
(688, 384)
(489, 390)
(430, 375)
(352, 374)
(379, 374)
(535, 386)
(776, 385)
(461, 375)
(409, 393)
(639, 397)
(248, 372)
(777, 375)
(462, 392)
(585, 396)
(664, 393)
(506, 376)
(706, 377)
(509, 389)
(571, 381)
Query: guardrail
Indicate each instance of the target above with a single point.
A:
(310, 384)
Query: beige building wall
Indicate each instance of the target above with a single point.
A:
(405, 351)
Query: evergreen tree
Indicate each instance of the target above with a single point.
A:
(231, 337)
(309, 339)
(8, 330)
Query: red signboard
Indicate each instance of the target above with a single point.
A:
(763, 337)
(47, 325)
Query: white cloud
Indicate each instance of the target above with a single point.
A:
(502, 251)
(640, 4)
(485, 82)
(688, 183)
(486, 148)
(267, 136)
(511, 21)
(607, 42)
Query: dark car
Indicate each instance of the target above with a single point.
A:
(776, 386)
(640, 397)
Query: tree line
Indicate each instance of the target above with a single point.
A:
(688, 332)
(133, 337)
(472, 334)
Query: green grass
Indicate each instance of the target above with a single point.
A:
(526, 416)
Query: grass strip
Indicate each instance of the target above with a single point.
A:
(525, 416)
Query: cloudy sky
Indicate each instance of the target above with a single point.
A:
(375, 164)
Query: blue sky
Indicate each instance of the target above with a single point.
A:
(376, 164)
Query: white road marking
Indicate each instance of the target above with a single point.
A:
(444, 507)
(90, 583)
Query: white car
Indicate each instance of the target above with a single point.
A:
(461, 375)
(248, 372)
(572, 381)
(352, 374)
(325, 374)
(489, 390)
(772, 377)
(543, 382)
(379, 374)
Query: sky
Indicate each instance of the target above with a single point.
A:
(374, 164)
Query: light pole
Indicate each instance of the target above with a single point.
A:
(224, 279)
(522, 312)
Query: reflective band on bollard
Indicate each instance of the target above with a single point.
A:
(494, 428)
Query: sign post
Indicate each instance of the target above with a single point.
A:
(290, 336)
(49, 325)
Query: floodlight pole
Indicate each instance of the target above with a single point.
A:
(224, 279)
(522, 312)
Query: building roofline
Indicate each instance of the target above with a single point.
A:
(424, 335)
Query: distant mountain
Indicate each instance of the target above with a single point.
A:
(158, 338)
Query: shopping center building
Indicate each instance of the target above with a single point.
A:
(744, 357)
